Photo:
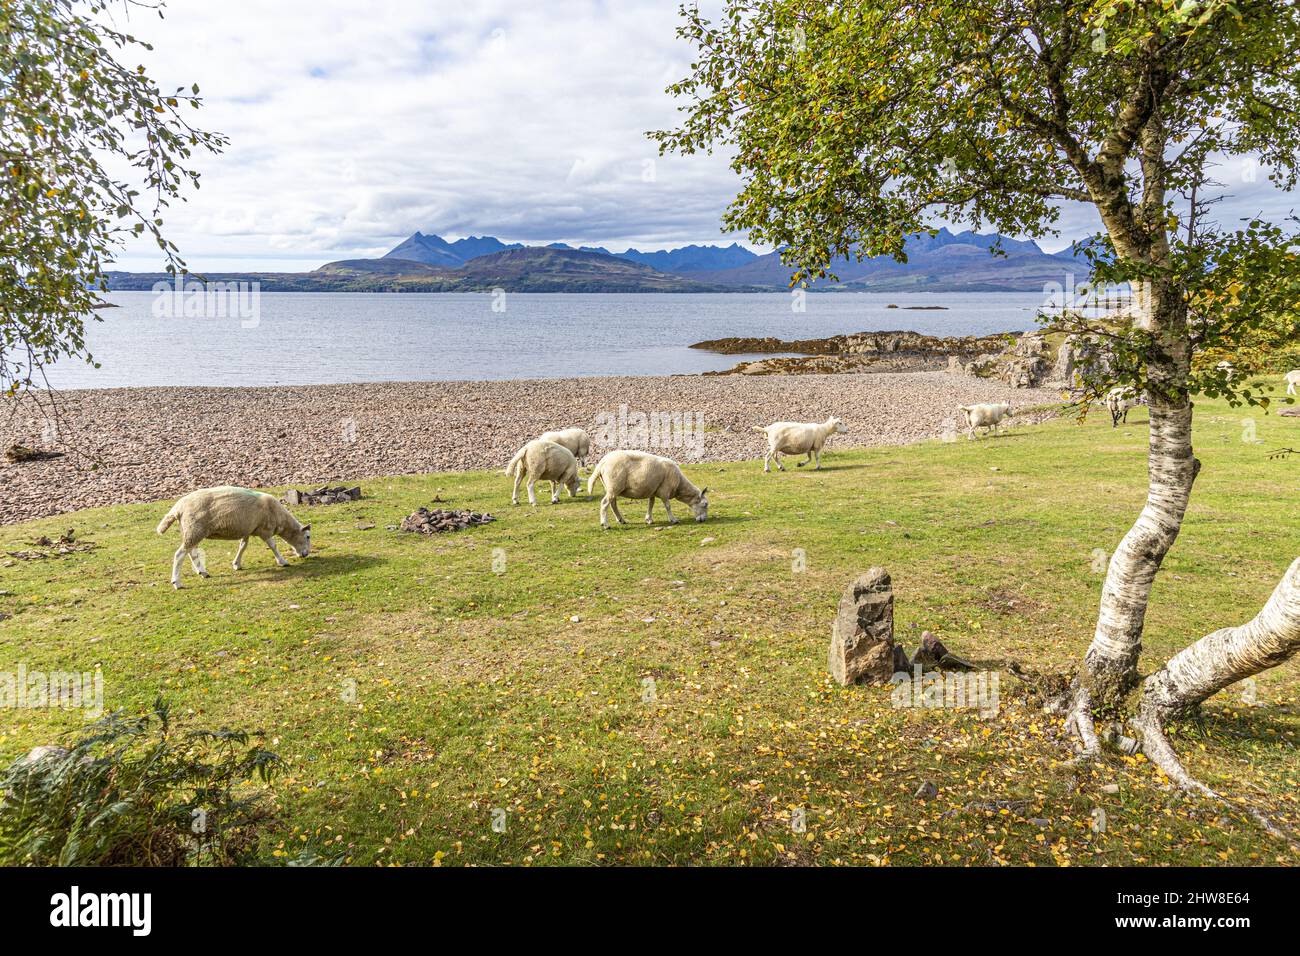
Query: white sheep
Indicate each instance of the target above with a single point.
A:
(230, 514)
(1292, 380)
(987, 415)
(1228, 369)
(798, 438)
(574, 439)
(639, 474)
(1120, 400)
(542, 460)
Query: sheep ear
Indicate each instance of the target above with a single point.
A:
(705, 491)
(306, 527)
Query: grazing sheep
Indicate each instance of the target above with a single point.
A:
(798, 438)
(1228, 369)
(1292, 380)
(1119, 400)
(542, 460)
(574, 439)
(230, 514)
(988, 415)
(639, 474)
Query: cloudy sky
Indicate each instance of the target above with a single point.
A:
(352, 125)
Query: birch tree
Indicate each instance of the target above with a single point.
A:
(855, 125)
(92, 150)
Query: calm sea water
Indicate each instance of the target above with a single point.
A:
(308, 338)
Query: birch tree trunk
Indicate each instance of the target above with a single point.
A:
(1214, 662)
(1110, 665)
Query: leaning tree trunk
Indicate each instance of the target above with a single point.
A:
(1110, 665)
(1213, 663)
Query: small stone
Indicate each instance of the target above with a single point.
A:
(1126, 745)
(576, 619)
(931, 651)
(706, 541)
(1040, 821)
(1110, 788)
(926, 791)
(45, 752)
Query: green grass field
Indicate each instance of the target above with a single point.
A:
(416, 685)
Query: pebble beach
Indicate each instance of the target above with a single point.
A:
(151, 444)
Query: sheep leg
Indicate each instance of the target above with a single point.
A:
(532, 490)
(818, 466)
(776, 457)
(270, 543)
(177, 558)
(767, 459)
(196, 562)
(555, 492)
(514, 495)
(613, 503)
(669, 508)
(800, 464)
(649, 510)
(239, 553)
(604, 506)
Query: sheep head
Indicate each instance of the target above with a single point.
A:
(700, 506)
(299, 539)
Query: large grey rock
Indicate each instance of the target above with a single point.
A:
(862, 638)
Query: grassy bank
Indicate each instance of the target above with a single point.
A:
(660, 695)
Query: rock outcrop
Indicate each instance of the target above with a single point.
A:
(895, 351)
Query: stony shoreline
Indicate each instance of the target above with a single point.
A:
(157, 443)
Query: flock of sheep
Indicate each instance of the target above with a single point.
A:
(238, 514)
(639, 475)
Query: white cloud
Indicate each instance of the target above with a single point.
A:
(353, 125)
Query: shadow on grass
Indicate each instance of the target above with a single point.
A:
(320, 565)
(661, 522)
(825, 467)
(1260, 724)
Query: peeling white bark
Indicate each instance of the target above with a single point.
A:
(1214, 662)
(1221, 659)
(1111, 661)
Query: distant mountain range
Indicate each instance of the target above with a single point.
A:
(942, 262)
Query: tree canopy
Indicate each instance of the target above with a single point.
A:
(855, 125)
(91, 152)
